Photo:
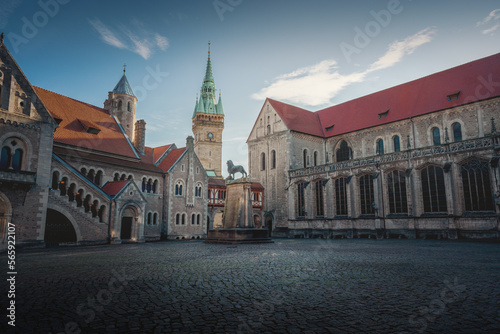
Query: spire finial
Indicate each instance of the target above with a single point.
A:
(124, 68)
(208, 49)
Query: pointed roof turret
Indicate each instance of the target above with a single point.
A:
(220, 111)
(207, 103)
(123, 87)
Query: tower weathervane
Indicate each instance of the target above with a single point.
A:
(124, 68)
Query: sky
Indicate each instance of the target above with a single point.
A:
(312, 54)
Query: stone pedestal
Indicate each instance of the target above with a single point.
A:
(237, 222)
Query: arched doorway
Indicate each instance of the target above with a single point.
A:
(269, 223)
(126, 224)
(58, 229)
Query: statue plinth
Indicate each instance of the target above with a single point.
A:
(237, 222)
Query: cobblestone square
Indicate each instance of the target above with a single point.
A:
(291, 286)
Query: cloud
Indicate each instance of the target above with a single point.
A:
(142, 45)
(399, 49)
(106, 35)
(494, 15)
(490, 30)
(316, 85)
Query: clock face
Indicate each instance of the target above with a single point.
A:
(210, 135)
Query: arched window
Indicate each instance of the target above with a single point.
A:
(178, 188)
(98, 178)
(149, 186)
(155, 186)
(262, 161)
(397, 146)
(457, 132)
(436, 136)
(341, 196)
(155, 218)
(315, 158)
(477, 186)
(301, 203)
(116, 177)
(62, 186)
(433, 189)
(319, 192)
(366, 195)
(91, 175)
(150, 218)
(305, 158)
(380, 147)
(177, 219)
(269, 129)
(123, 177)
(193, 219)
(119, 104)
(101, 213)
(198, 218)
(17, 160)
(273, 159)
(71, 192)
(5, 158)
(94, 209)
(144, 184)
(55, 180)
(183, 221)
(79, 198)
(86, 203)
(396, 187)
(198, 190)
(129, 107)
(344, 152)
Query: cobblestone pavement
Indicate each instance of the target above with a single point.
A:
(291, 286)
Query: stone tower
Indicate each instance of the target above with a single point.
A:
(208, 123)
(121, 103)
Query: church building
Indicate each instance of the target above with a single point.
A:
(418, 160)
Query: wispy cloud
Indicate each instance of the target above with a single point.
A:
(492, 16)
(399, 49)
(316, 85)
(143, 45)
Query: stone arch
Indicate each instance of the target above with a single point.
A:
(68, 216)
(130, 222)
(336, 148)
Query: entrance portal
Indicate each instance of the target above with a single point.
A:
(126, 230)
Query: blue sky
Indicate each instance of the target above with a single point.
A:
(312, 54)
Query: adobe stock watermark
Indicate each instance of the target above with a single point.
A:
(363, 37)
(31, 26)
(95, 304)
(150, 82)
(223, 6)
(451, 293)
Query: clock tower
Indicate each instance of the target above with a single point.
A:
(208, 123)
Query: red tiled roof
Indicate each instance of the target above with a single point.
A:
(171, 158)
(160, 150)
(216, 182)
(477, 80)
(76, 116)
(298, 119)
(114, 187)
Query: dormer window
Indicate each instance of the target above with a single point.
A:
(383, 114)
(89, 127)
(454, 96)
(330, 128)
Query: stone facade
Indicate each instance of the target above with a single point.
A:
(434, 174)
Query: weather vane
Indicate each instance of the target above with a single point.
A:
(124, 68)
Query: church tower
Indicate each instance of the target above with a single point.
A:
(121, 103)
(208, 123)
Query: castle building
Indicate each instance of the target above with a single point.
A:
(71, 172)
(418, 160)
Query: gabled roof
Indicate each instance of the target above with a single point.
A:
(112, 188)
(77, 116)
(171, 159)
(298, 119)
(123, 87)
(457, 86)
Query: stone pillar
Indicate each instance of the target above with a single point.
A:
(238, 209)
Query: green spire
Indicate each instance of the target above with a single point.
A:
(207, 102)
